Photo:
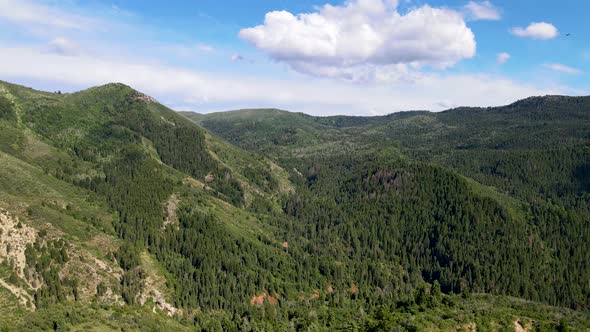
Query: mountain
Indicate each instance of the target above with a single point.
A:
(536, 122)
(477, 142)
(119, 213)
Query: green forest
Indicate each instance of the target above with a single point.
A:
(120, 214)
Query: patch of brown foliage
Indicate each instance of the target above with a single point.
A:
(315, 295)
(259, 299)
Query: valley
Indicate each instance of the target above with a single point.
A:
(119, 213)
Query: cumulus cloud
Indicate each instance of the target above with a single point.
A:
(502, 57)
(562, 68)
(357, 40)
(536, 30)
(483, 10)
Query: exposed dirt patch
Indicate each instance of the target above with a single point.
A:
(171, 206)
(167, 121)
(518, 327)
(111, 297)
(104, 242)
(258, 299)
(150, 291)
(193, 182)
(145, 98)
(209, 178)
(23, 297)
(469, 327)
(90, 272)
(154, 286)
(82, 266)
(297, 172)
(14, 238)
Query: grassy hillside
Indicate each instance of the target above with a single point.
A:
(109, 166)
(117, 209)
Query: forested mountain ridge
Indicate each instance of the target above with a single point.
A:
(109, 198)
(542, 122)
(142, 168)
(481, 143)
(532, 156)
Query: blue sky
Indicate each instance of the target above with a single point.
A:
(362, 57)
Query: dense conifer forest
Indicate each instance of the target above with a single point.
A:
(119, 213)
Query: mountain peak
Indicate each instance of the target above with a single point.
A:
(120, 89)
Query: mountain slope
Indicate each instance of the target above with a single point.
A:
(130, 155)
(536, 122)
(531, 157)
(487, 144)
(110, 199)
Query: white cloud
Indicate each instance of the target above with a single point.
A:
(363, 36)
(483, 10)
(562, 68)
(29, 14)
(536, 30)
(215, 91)
(502, 57)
